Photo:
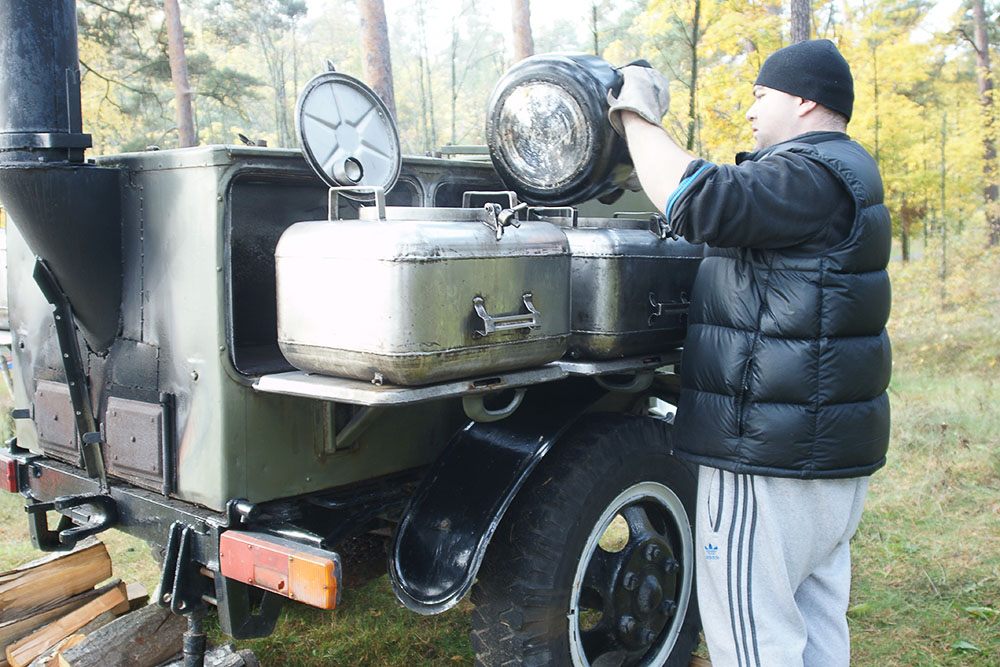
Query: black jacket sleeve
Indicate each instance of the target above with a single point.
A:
(782, 200)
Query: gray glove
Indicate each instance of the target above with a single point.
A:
(644, 91)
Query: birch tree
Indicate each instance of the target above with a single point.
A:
(984, 76)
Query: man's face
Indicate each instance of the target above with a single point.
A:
(774, 116)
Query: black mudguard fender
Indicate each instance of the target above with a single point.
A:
(440, 542)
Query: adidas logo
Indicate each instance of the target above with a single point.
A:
(711, 552)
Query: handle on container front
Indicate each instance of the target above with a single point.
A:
(333, 199)
(661, 308)
(469, 194)
(542, 212)
(493, 323)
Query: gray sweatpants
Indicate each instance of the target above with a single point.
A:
(774, 568)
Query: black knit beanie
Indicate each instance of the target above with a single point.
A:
(813, 70)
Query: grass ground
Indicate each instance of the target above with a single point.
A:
(927, 554)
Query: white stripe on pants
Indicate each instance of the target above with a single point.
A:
(774, 568)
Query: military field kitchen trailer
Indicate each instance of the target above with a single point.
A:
(264, 361)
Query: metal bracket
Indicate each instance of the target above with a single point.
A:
(181, 586)
(68, 533)
(469, 194)
(493, 323)
(333, 199)
(76, 378)
(543, 212)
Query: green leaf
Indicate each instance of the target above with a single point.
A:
(982, 612)
(963, 645)
(859, 610)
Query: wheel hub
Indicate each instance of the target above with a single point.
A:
(643, 598)
(631, 599)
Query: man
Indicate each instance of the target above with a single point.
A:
(786, 363)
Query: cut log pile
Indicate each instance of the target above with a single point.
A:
(64, 610)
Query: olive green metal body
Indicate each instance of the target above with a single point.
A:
(175, 391)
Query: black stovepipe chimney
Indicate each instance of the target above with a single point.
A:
(69, 212)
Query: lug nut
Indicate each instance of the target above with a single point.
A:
(670, 566)
(630, 581)
(668, 608)
(653, 553)
(648, 637)
(627, 625)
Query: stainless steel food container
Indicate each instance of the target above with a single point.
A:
(424, 295)
(630, 283)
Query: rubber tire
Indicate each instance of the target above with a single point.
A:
(522, 595)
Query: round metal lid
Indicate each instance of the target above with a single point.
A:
(347, 134)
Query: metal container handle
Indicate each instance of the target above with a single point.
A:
(554, 211)
(637, 383)
(493, 323)
(632, 214)
(476, 410)
(468, 195)
(333, 199)
(660, 308)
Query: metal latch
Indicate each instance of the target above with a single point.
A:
(660, 226)
(497, 218)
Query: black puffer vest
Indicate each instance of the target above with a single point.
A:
(787, 360)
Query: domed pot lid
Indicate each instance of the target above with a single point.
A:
(548, 133)
(347, 134)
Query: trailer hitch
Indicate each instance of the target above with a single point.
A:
(103, 514)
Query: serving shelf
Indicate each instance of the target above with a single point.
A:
(359, 392)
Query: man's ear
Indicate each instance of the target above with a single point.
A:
(805, 106)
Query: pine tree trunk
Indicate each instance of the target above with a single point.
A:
(524, 45)
(985, 80)
(800, 20)
(179, 73)
(376, 66)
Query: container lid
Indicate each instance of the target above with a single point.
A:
(548, 133)
(347, 134)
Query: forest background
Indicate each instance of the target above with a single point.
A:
(924, 104)
(926, 585)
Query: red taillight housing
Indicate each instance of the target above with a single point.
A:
(8, 474)
(297, 571)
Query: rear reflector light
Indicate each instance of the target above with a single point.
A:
(297, 571)
(8, 474)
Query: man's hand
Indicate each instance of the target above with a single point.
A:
(644, 91)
